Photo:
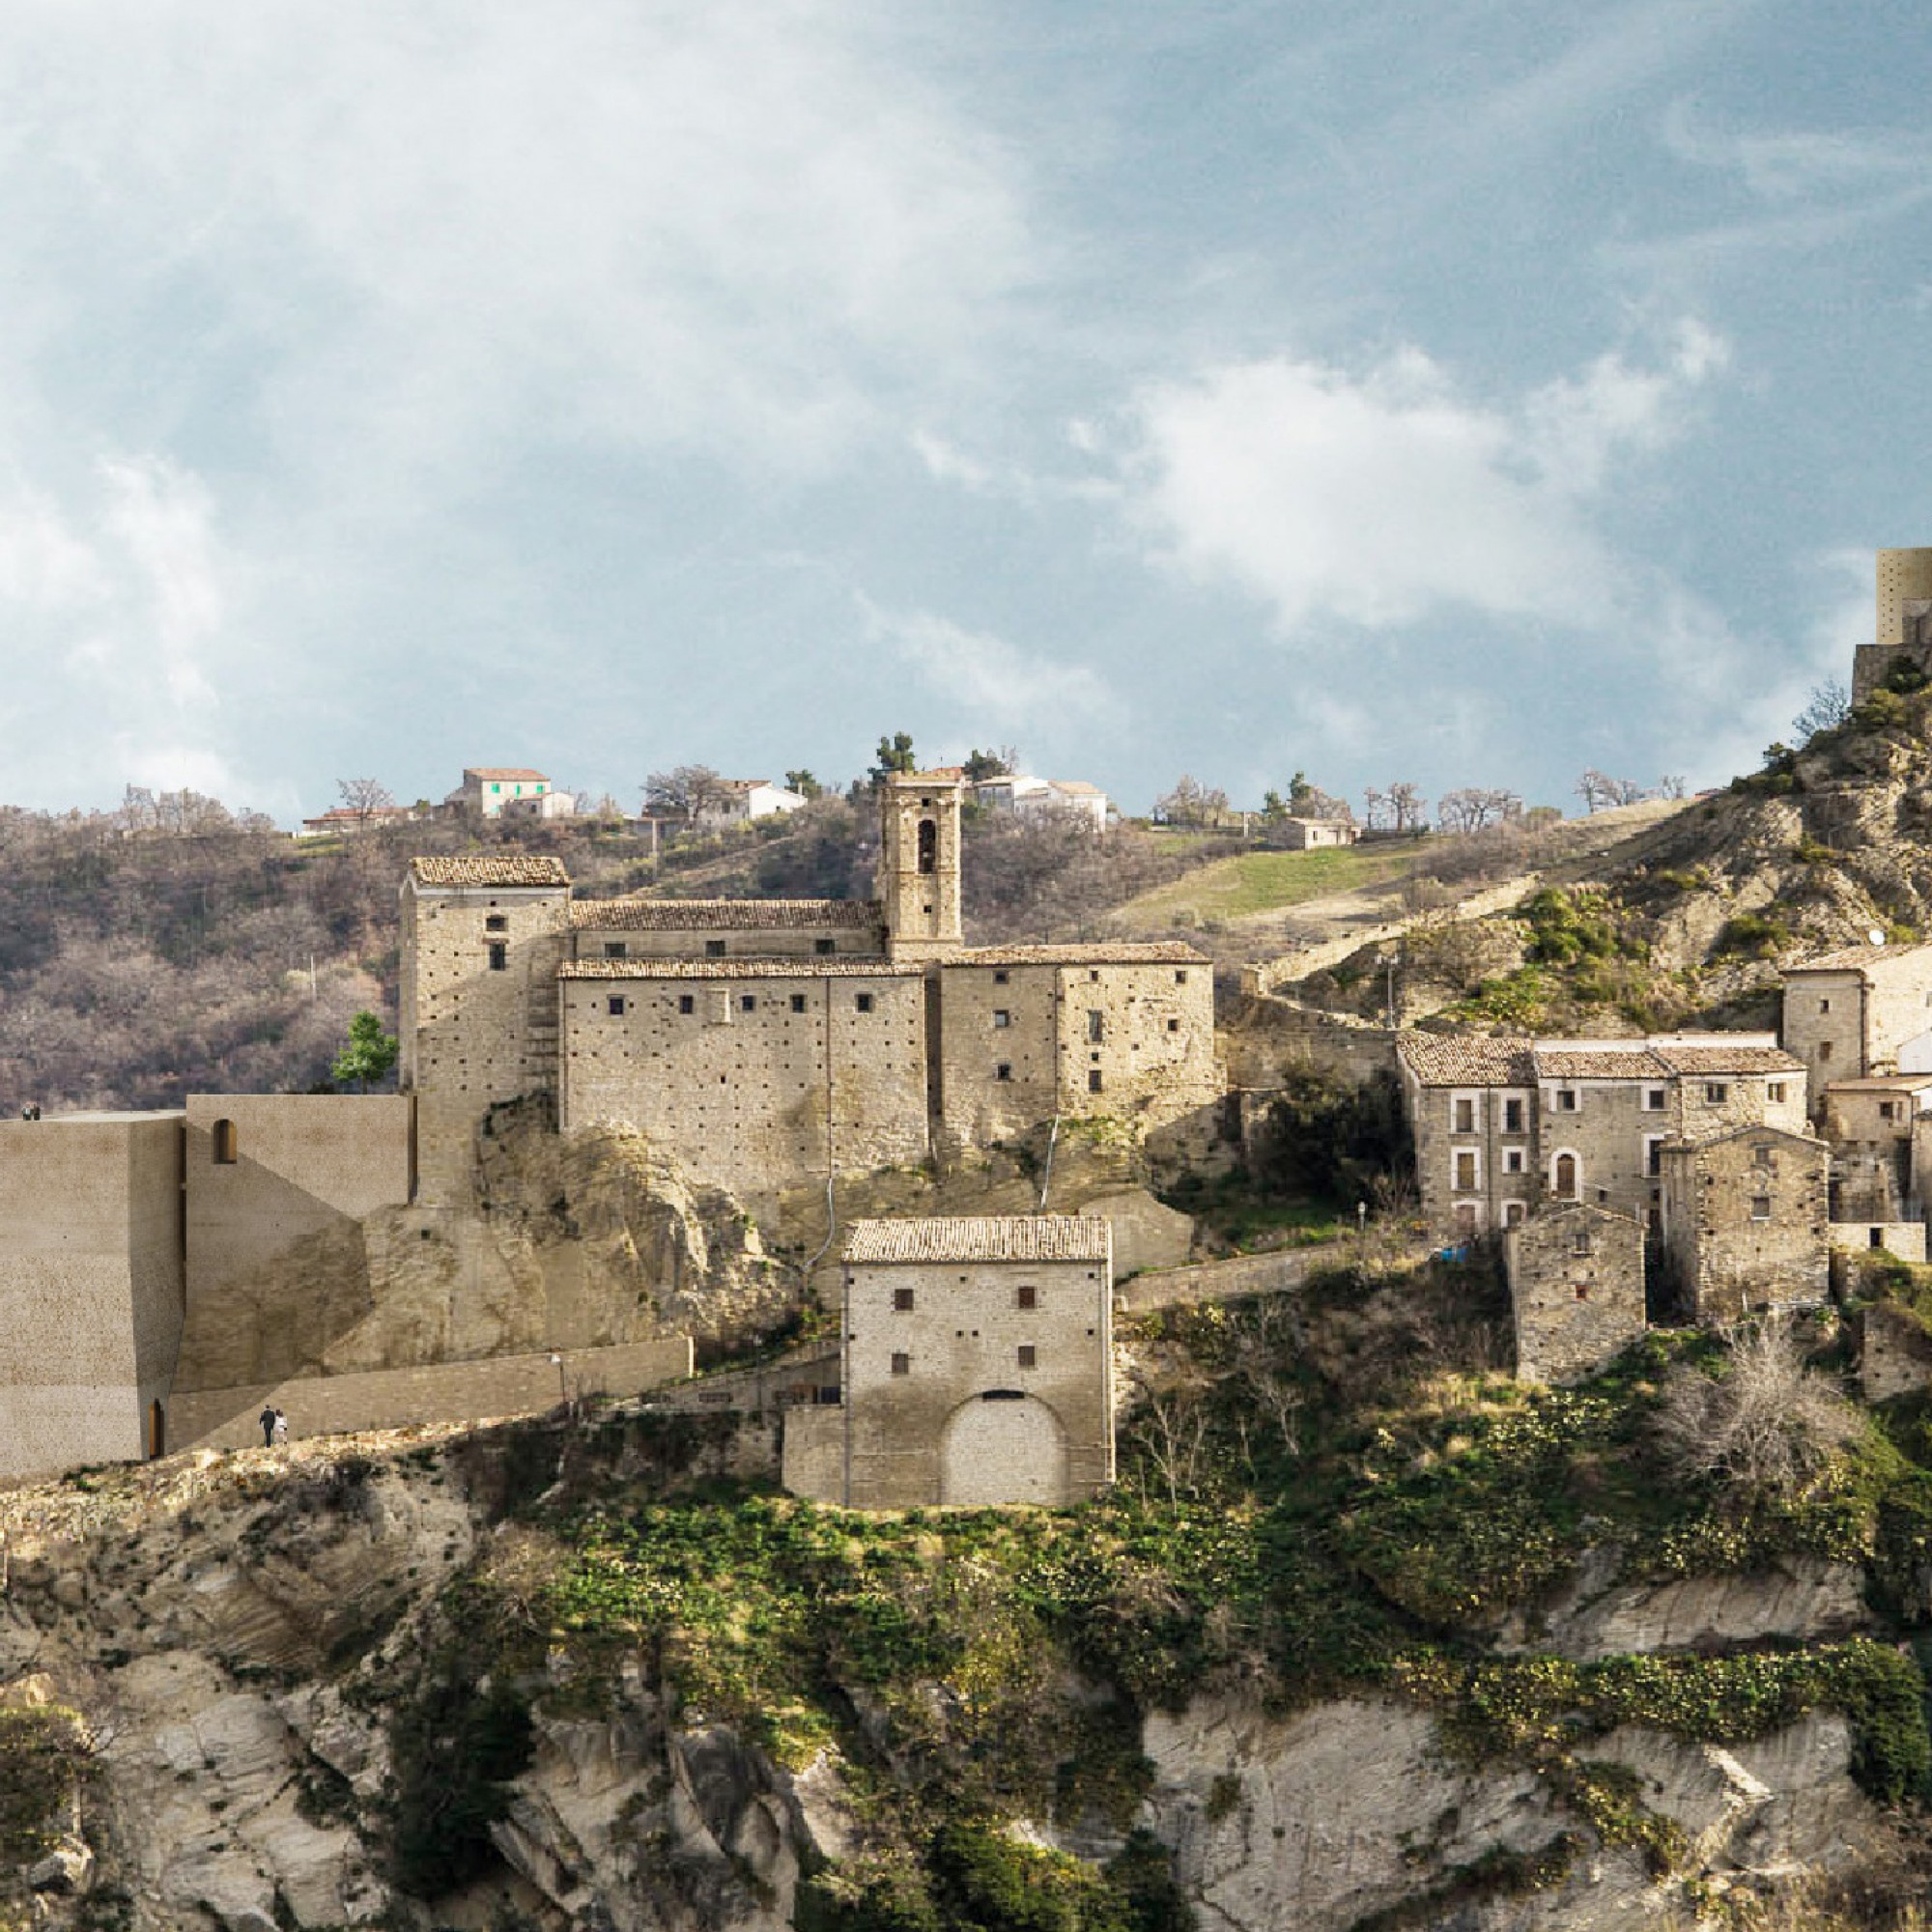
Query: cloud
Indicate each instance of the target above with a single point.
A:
(990, 680)
(1385, 496)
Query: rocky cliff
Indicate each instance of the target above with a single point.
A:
(1423, 1661)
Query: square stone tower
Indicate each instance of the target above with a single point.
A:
(919, 863)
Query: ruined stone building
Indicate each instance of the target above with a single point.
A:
(1576, 1287)
(976, 1366)
(772, 1045)
(1858, 1012)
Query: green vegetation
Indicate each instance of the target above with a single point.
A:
(1319, 1493)
(1261, 882)
(45, 1755)
(369, 1055)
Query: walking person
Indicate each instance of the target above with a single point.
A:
(266, 1419)
(280, 1434)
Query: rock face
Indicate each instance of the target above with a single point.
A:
(226, 1627)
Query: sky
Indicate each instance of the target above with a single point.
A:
(1463, 395)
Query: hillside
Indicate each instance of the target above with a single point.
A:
(596, 1671)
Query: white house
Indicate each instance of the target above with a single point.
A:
(1044, 798)
(739, 800)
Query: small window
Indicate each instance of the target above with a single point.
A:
(687, 1003)
(1513, 1214)
(1181, 978)
(1096, 1027)
(1824, 1049)
(615, 949)
(1004, 1071)
(1001, 977)
(1002, 1017)
(1583, 1242)
(1874, 1237)
(713, 949)
(901, 1364)
(1760, 1206)
(1027, 1296)
(1029, 1355)
(496, 922)
(798, 1002)
(928, 847)
(499, 957)
(748, 1002)
(824, 946)
(1174, 1026)
(1774, 1092)
(1465, 1170)
(224, 1143)
(1761, 1156)
(1653, 1156)
(1652, 1099)
(1512, 1116)
(1465, 1116)
(1887, 1110)
(1717, 1092)
(1094, 1080)
(1512, 1160)
(616, 1005)
(1582, 1291)
(903, 1300)
(1824, 1005)
(864, 1003)
(1566, 1099)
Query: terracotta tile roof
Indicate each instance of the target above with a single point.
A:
(1727, 1059)
(722, 915)
(520, 869)
(1599, 1062)
(1469, 1059)
(521, 772)
(980, 1238)
(1850, 958)
(746, 966)
(1089, 952)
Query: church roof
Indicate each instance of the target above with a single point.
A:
(980, 1237)
(722, 915)
(478, 869)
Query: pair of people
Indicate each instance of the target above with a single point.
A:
(274, 1426)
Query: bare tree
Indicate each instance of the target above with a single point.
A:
(686, 792)
(1598, 791)
(1407, 806)
(1375, 808)
(1191, 802)
(1769, 1427)
(1827, 707)
(1475, 806)
(1670, 786)
(365, 797)
(1170, 1426)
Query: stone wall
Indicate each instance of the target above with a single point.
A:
(1824, 1026)
(772, 1077)
(593, 938)
(1903, 1240)
(225, 1418)
(997, 1051)
(90, 1286)
(1575, 1282)
(1745, 1221)
(963, 1418)
(1895, 1352)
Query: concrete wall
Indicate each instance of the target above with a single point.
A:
(1728, 1257)
(471, 1036)
(91, 1284)
(928, 1435)
(308, 1169)
(1576, 1281)
(754, 1097)
(443, 1392)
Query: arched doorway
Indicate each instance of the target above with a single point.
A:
(1003, 1446)
(1564, 1179)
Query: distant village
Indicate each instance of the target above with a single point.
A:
(614, 1114)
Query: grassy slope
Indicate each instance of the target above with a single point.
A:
(1260, 882)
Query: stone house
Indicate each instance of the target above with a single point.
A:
(1031, 798)
(1310, 835)
(1504, 1125)
(1881, 1131)
(1859, 1011)
(1577, 1289)
(486, 789)
(739, 801)
(976, 1366)
(1746, 1221)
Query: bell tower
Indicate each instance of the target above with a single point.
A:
(919, 863)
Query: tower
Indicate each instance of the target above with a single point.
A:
(1904, 578)
(919, 863)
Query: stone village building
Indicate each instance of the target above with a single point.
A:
(1575, 1285)
(976, 1366)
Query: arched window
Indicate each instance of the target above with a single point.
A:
(224, 1143)
(928, 845)
(1563, 1179)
